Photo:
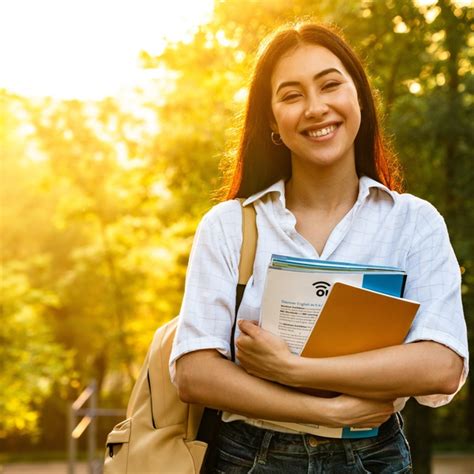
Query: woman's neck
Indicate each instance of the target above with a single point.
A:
(321, 189)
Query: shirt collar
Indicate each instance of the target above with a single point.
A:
(278, 187)
(365, 185)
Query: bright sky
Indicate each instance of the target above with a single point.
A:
(87, 49)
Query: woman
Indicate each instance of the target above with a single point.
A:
(313, 163)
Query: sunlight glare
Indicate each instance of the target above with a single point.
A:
(415, 87)
(464, 3)
(88, 49)
(425, 3)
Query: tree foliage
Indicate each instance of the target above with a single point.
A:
(32, 362)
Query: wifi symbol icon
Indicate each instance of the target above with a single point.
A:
(322, 288)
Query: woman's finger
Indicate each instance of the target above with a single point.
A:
(249, 327)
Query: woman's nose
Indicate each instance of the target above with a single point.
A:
(315, 106)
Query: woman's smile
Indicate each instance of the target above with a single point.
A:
(321, 133)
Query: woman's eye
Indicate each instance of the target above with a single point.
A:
(331, 85)
(290, 97)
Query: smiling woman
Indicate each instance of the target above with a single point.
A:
(313, 163)
(87, 49)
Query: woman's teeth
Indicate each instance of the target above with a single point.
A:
(322, 131)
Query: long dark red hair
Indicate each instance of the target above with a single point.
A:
(258, 162)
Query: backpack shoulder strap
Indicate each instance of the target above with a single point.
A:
(247, 257)
(249, 242)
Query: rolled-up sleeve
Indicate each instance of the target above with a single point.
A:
(434, 280)
(208, 306)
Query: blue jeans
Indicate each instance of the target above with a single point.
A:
(243, 448)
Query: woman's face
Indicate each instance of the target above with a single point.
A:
(315, 106)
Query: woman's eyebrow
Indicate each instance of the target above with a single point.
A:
(316, 76)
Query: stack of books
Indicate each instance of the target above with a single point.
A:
(326, 309)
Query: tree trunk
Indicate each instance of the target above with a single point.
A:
(470, 408)
(419, 434)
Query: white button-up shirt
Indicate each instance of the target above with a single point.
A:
(382, 228)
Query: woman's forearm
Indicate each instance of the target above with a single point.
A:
(205, 378)
(421, 368)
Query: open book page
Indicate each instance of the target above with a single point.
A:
(292, 302)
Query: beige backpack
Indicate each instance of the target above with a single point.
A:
(159, 434)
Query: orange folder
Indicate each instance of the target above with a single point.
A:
(357, 320)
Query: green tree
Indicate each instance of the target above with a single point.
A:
(110, 197)
(32, 362)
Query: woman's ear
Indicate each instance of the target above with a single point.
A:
(273, 124)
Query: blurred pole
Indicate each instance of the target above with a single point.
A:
(71, 440)
(92, 434)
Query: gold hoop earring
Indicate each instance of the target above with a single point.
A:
(276, 139)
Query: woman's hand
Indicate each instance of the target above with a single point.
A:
(360, 412)
(263, 354)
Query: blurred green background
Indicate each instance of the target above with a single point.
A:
(100, 199)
